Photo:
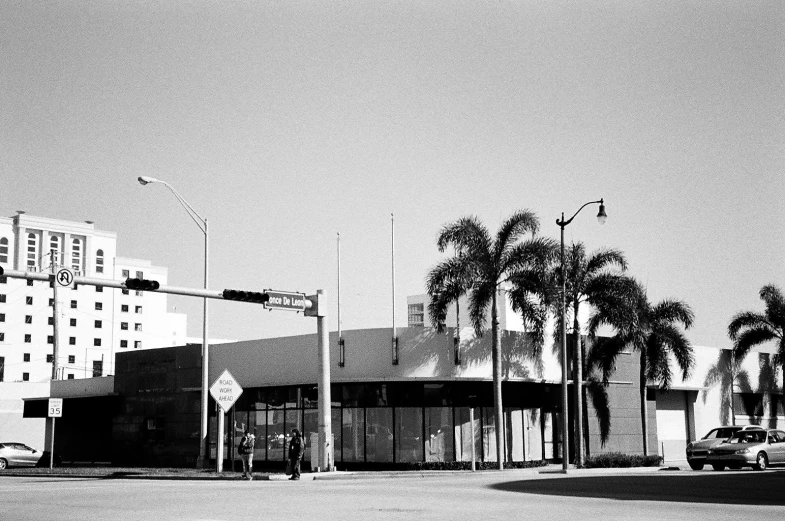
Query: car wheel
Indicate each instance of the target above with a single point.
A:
(696, 465)
(761, 462)
(718, 466)
(3, 464)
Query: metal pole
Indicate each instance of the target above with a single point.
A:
(325, 400)
(202, 459)
(52, 444)
(565, 449)
(392, 265)
(56, 318)
(471, 422)
(219, 453)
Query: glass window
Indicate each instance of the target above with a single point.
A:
(124, 326)
(463, 434)
(99, 306)
(25, 377)
(379, 438)
(3, 250)
(73, 304)
(258, 425)
(137, 327)
(276, 435)
(514, 428)
(275, 398)
(51, 302)
(32, 250)
(123, 343)
(50, 321)
(124, 291)
(2, 317)
(56, 246)
(26, 357)
(2, 336)
(50, 339)
(97, 342)
(353, 434)
(416, 315)
(70, 376)
(29, 319)
(124, 308)
(99, 261)
(98, 324)
(137, 344)
(71, 359)
(71, 340)
(50, 359)
(29, 282)
(408, 434)
(488, 434)
(29, 301)
(73, 322)
(98, 368)
(126, 274)
(2, 297)
(310, 426)
(99, 289)
(28, 339)
(76, 254)
(310, 396)
(139, 275)
(138, 309)
(439, 434)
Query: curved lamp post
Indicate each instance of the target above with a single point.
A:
(202, 224)
(565, 449)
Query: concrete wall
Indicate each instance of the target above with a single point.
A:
(13, 427)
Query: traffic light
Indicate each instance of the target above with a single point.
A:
(142, 284)
(246, 296)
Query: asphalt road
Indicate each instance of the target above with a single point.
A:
(657, 495)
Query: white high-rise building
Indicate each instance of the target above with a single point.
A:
(95, 322)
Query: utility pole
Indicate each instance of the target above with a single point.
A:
(56, 316)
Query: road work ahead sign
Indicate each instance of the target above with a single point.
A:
(225, 391)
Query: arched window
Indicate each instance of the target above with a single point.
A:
(56, 245)
(32, 250)
(76, 255)
(99, 261)
(3, 250)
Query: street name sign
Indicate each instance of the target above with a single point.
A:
(290, 300)
(225, 391)
(55, 407)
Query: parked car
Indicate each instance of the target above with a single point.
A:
(699, 449)
(756, 448)
(13, 454)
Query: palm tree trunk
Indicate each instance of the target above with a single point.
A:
(578, 362)
(497, 383)
(644, 412)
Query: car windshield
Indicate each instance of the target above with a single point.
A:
(721, 433)
(748, 437)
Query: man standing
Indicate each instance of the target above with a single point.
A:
(246, 454)
(296, 451)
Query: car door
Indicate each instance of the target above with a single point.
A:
(28, 456)
(778, 447)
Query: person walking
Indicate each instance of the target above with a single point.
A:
(246, 454)
(296, 451)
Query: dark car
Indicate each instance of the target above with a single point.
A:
(14, 454)
(756, 448)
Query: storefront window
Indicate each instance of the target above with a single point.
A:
(513, 434)
(259, 429)
(408, 434)
(293, 421)
(488, 435)
(310, 427)
(463, 434)
(439, 434)
(353, 434)
(336, 428)
(276, 438)
(379, 435)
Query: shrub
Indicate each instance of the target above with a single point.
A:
(466, 465)
(619, 460)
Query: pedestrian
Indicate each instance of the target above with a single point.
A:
(246, 454)
(296, 451)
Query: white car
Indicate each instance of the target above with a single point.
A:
(13, 454)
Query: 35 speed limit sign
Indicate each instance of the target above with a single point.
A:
(55, 407)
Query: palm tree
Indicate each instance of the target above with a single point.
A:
(651, 330)
(480, 266)
(749, 328)
(589, 279)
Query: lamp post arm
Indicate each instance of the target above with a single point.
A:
(198, 219)
(564, 223)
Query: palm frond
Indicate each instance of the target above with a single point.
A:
(510, 231)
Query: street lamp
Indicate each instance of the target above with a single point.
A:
(601, 217)
(202, 224)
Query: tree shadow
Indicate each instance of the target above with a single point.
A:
(733, 488)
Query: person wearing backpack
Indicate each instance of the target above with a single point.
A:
(246, 454)
(296, 452)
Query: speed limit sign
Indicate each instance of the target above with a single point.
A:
(55, 407)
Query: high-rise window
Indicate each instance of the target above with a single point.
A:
(2, 297)
(137, 327)
(26, 357)
(416, 315)
(76, 254)
(137, 344)
(2, 368)
(71, 340)
(2, 317)
(29, 282)
(138, 309)
(124, 308)
(124, 325)
(56, 246)
(28, 319)
(28, 339)
(32, 250)
(3, 250)
(25, 377)
(123, 343)
(126, 274)
(99, 306)
(99, 262)
(98, 368)
(29, 301)
(73, 304)
(73, 322)
(97, 342)
(2, 336)
(98, 324)
(50, 359)
(71, 359)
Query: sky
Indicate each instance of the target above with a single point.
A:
(286, 123)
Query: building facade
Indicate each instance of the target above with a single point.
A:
(95, 322)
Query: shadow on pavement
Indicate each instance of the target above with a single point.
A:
(737, 488)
